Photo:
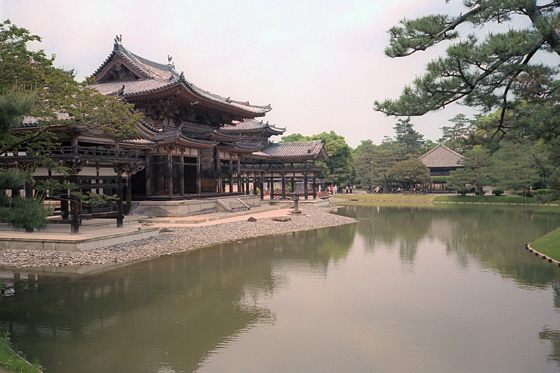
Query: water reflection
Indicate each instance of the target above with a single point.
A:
(554, 337)
(493, 237)
(404, 289)
(165, 314)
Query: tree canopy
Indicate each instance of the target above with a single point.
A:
(407, 137)
(57, 95)
(492, 70)
(477, 170)
(411, 171)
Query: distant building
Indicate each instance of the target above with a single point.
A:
(440, 160)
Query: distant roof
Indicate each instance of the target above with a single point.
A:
(150, 77)
(252, 125)
(310, 150)
(441, 156)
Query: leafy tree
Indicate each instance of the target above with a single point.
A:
(477, 170)
(372, 162)
(407, 137)
(58, 95)
(515, 167)
(455, 136)
(22, 213)
(489, 72)
(295, 137)
(363, 163)
(411, 171)
(339, 167)
(427, 146)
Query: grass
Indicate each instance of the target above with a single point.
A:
(549, 244)
(423, 199)
(411, 200)
(11, 361)
(486, 199)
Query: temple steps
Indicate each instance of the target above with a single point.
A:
(231, 204)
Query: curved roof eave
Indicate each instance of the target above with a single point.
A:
(155, 71)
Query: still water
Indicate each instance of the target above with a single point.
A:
(446, 289)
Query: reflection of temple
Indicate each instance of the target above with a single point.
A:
(174, 311)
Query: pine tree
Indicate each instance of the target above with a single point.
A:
(487, 71)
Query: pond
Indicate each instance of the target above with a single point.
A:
(448, 289)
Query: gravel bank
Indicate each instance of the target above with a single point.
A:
(174, 240)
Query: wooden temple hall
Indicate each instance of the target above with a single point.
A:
(195, 143)
(192, 143)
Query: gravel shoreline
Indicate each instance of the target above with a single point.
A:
(172, 241)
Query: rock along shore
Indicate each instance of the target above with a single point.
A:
(174, 240)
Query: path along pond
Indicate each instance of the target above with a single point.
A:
(442, 289)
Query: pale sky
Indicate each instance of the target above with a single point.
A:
(320, 64)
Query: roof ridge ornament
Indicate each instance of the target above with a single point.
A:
(170, 61)
(118, 42)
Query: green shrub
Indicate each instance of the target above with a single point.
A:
(546, 195)
(27, 213)
(497, 192)
(463, 191)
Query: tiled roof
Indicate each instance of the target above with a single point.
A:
(441, 156)
(131, 87)
(157, 77)
(251, 125)
(297, 150)
(176, 135)
(241, 146)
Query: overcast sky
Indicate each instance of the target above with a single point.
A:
(320, 64)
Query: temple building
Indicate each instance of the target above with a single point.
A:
(192, 143)
(196, 142)
(441, 160)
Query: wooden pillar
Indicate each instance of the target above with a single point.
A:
(120, 215)
(218, 170)
(283, 175)
(305, 189)
(128, 192)
(271, 185)
(262, 181)
(293, 181)
(74, 208)
(64, 212)
(314, 186)
(198, 176)
(160, 181)
(239, 181)
(182, 173)
(247, 184)
(147, 169)
(170, 175)
(231, 175)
